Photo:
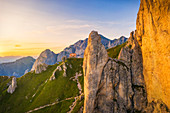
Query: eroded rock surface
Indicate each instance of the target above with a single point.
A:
(115, 85)
(46, 58)
(65, 69)
(153, 35)
(13, 86)
(95, 57)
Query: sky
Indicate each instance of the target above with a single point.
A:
(27, 27)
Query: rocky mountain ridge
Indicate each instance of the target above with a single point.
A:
(80, 46)
(48, 57)
(129, 83)
(116, 85)
(138, 81)
(17, 68)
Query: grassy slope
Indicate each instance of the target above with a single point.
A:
(79, 104)
(46, 91)
(62, 107)
(114, 52)
(22, 99)
(4, 80)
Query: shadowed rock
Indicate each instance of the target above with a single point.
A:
(95, 57)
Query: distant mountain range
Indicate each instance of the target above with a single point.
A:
(9, 59)
(49, 57)
(81, 45)
(17, 68)
(23, 65)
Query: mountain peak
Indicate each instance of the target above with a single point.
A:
(47, 57)
(81, 45)
(94, 37)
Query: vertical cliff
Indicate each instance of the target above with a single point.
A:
(139, 80)
(113, 85)
(153, 35)
(94, 61)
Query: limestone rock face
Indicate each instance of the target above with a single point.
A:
(40, 68)
(46, 58)
(153, 35)
(131, 56)
(13, 86)
(116, 85)
(65, 69)
(113, 85)
(122, 87)
(95, 57)
(53, 74)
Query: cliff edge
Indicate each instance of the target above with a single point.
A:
(153, 29)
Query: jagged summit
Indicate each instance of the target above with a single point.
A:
(94, 37)
(116, 85)
(95, 57)
(47, 57)
(130, 78)
(81, 45)
(138, 80)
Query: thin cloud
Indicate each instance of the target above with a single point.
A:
(109, 22)
(76, 21)
(17, 45)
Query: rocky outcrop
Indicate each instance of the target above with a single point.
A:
(153, 36)
(64, 69)
(95, 57)
(80, 46)
(115, 85)
(46, 58)
(41, 67)
(13, 86)
(53, 75)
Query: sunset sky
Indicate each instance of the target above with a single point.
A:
(27, 27)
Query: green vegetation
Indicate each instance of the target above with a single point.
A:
(62, 107)
(114, 52)
(78, 106)
(4, 80)
(35, 90)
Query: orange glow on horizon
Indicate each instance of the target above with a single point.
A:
(27, 51)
